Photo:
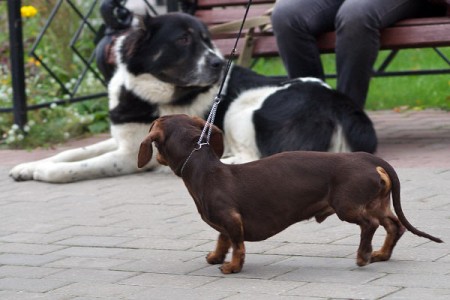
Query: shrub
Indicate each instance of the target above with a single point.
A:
(52, 125)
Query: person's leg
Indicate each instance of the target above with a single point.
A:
(358, 24)
(296, 23)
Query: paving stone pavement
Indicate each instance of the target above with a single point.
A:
(140, 236)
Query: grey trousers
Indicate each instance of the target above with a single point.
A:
(296, 23)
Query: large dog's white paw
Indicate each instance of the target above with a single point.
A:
(23, 171)
(56, 173)
(40, 170)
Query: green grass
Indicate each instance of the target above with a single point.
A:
(413, 92)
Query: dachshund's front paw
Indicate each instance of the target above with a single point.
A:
(228, 268)
(213, 258)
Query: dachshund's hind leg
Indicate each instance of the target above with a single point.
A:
(368, 228)
(394, 230)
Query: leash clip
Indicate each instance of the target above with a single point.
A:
(199, 146)
(217, 99)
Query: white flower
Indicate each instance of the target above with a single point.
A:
(15, 127)
(66, 135)
(26, 128)
(20, 137)
(53, 105)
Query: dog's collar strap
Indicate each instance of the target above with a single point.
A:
(199, 146)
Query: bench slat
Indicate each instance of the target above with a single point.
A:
(423, 21)
(219, 16)
(415, 36)
(391, 38)
(224, 3)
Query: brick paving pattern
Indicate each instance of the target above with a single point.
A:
(140, 236)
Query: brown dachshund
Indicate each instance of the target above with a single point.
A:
(256, 200)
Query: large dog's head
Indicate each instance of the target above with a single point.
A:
(175, 48)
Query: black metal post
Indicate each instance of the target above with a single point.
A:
(17, 63)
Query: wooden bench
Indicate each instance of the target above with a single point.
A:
(431, 32)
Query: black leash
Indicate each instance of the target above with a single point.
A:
(212, 114)
(218, 98)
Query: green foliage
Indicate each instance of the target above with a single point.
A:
(403, 92)
(56, 124)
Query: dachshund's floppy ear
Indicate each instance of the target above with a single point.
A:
(216, 140)
(146, 149)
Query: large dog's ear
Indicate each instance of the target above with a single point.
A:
(146, 149)
(144, 21)
(138, 36)
(216, 140)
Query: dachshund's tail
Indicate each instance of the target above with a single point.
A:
(395, 190)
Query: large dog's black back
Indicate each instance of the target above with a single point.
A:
(305, 116)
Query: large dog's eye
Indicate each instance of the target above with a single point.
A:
(184, 40)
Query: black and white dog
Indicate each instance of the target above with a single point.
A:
(169, 65)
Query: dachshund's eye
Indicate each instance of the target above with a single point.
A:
(184, 40)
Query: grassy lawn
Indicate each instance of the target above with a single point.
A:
(400, 92)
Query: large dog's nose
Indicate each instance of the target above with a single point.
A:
(216, 62)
